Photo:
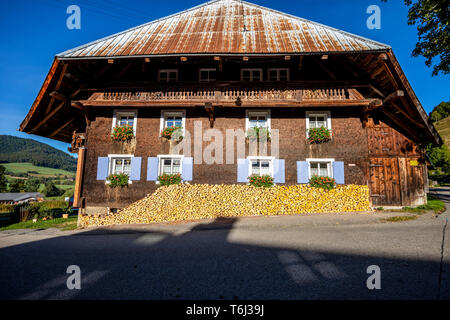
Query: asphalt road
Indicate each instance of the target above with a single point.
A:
(292, 257)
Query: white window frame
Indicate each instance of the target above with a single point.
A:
(175, 112)
(329, 162)
(270, 159)
(172, 156)
(206, 69)
(326, 114)
(168, 71)
(278, 73)
(118, 112)
(251, 73)
(112, 157)
(257, 112)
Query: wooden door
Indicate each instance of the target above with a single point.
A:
(384, 182)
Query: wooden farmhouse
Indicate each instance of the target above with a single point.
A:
(230, 64)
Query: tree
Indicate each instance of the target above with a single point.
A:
(3, 181)
(17, 186)
(51, 190)
(433, 28)
(32, 185)
(441, 111)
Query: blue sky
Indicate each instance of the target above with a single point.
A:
(32, 32)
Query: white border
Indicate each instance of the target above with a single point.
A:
(122, 156)
(134, 112)
(170, 156)
(271, 161)
(172, 111)
(259, 112)
(316, 113)
(330, 160)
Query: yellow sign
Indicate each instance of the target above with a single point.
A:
(414, 163)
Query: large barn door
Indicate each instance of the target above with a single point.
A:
(412, 180)
(384, 182)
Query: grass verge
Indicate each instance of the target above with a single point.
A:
(60, 223)
(400, 218)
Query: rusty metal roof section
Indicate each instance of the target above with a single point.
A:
(225, 27)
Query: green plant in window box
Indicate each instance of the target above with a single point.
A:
(322, 182)
(169, 179)
(258, 133)
(175, 132)
(265, 181)
(122, 133)
(319, 135)
(118, 180)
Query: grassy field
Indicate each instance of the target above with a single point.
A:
(443, 127)
(60, 223)
(24, 167)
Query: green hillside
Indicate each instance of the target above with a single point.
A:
(15, 150)
(32, 170)
(443, 127)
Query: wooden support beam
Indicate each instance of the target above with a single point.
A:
(58, 84)
(393, 96)
(48, 116)
(79, 177)
(54, 133)
(401, 124)
(78, 105)
(210, 110)
(300, 63)
(408, 116)
(324, 68)
(58, 96)
(125, 69)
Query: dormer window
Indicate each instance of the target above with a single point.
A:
(251, 74)
(168, 75)
(207, 75)
(278, 74)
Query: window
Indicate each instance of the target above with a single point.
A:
(320, 167)
(278, 74)
(261, 166)
(169, 164)
(251, 75)
(257, 118)
(207, 75)
(168, 75)
(120, 164)
(317, 120)
(125, 117)
(173, 118)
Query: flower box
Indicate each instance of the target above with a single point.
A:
(261, 181)
(118, 180)
(322, 182)
(122, 133)
(172, 132)
(319, 135)
(169, 179)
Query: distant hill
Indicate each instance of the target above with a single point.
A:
(15, 149)
(443, 127)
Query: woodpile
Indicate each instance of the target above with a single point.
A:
(192, 202)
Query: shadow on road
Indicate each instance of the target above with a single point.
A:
(202, 264)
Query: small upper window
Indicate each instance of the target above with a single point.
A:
(168, 75)
(318, 119)
(123, 118)
(207, 75)
(251, 74)
(278, 74)
(258, 118)
(173, 118)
